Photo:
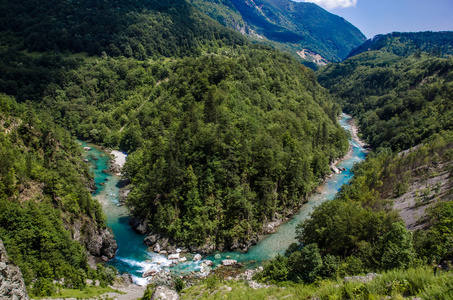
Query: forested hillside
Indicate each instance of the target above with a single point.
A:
(287, 25)
(223, 135)
(249, 127)
(399, 101)
(140, 29)
(48, 220)
(402, 98)
(408, 43)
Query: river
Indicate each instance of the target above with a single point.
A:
(133, 256)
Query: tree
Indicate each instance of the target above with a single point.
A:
(306, 264)
(396, 248)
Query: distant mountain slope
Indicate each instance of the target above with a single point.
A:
(293, 26)
(400, 100)
(407, 43)
(132, 28)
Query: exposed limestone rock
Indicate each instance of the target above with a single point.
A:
(335, 170)
(364, 279)
(208, 262)
(12, 284)
(271, 226)
(164, 293)
(229, 262)
(101, 243)
(149, 272)
(173, 256)
(197, 257)
(242, 245)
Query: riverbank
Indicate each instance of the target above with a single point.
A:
(353, 129)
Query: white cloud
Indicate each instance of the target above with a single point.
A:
(329, 4)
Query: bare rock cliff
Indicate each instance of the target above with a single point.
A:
(12, 284)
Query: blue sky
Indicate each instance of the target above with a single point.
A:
(383, 16)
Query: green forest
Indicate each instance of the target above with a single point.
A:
(44, 191)
(401, 102)
(223, 135)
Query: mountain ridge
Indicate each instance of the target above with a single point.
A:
(287, 25)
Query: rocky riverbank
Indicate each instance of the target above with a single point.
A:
(12, 284)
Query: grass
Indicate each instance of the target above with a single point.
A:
(420, 282)
(89, 292)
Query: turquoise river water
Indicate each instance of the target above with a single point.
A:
(135, 258)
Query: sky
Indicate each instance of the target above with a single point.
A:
(384, 16)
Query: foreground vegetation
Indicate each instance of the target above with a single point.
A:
(421, 282)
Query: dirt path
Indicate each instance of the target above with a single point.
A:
(131, 292)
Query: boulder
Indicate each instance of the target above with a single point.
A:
(156, 248)
(229, 262)
(173, 256)
(335, 170)
(164, 293)
(171, 249)
(271, 226)
(197, 257)
(182, 259)
(208, 262)
(149, 272)
(150, 240)
(139, 226)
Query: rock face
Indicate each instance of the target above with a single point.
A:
(164, 293)
(12, 284)
(242, 245)
(271, 226)
(102, 243)
(140, 227)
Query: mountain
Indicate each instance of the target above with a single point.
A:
(407, 43)
(304, 29)
(140, 29)
(400, 100)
